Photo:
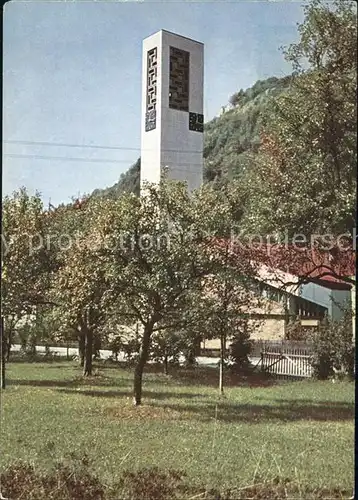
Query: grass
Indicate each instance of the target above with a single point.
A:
(262, 429)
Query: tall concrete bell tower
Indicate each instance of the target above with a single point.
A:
(172, 109)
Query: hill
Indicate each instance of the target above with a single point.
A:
(232, 137)
(128, 181)
(229, 139)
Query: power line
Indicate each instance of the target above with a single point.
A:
(67, 158)
(93, 146)
(86, 160)
(69, 145)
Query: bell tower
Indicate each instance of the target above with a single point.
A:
(172, 109)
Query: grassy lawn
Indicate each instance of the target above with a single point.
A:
(302, 430)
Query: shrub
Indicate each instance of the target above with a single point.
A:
(240, 348)
(333, 349)
(129, 347)
(295, 331)
(115, 346)
(166, 347)
(131, 350)
(189, 353)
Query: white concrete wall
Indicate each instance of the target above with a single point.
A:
(172, 144)
(150, 141)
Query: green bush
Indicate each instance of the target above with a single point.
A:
(166, 347)
(115, 346)
(240, 348)
(131, 350)
(295, 331)
(333, 348)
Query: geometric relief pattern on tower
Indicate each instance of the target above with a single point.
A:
(151, 105)
(179, 79)
(196, 122)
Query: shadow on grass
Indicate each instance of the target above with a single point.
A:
(256, 413)
(42, 383)
(210, 377)
(312, 402)
(96, 381)
(193, 376)
(198, 375)
(38, 358)
(146, 394)
(70, 365)
(178, 377)
(206, 410)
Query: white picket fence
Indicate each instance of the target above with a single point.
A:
(285, 358)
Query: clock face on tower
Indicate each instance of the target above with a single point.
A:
(196, 122)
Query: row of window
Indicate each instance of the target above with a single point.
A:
(301, 307)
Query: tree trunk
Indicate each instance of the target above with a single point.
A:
(222, 363)
(32, 349)
(8, 341)
(138, 372)
(190, 356)
(8, 349)
(87, 367)
(81, 349)
(96, 347)
(166, 364)
(2, 349)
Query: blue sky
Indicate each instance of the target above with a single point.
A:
(72, 74)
